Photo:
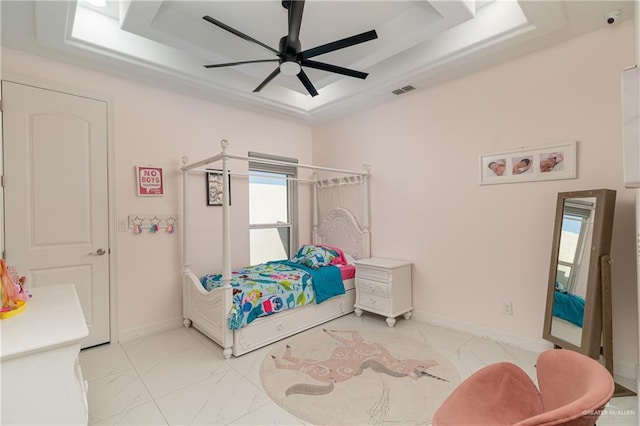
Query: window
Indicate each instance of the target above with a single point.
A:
(272, 208)
(575, 227)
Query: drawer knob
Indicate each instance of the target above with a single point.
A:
(280, 326)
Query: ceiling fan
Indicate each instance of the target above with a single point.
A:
(290, 55)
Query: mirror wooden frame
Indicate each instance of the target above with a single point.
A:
(595, 310)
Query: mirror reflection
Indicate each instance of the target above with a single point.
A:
(573, 269)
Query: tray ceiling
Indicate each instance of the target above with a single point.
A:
(420, 43)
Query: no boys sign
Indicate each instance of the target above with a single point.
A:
(149, 181)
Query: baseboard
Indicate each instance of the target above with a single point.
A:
(627, 373)
(534, 345)
(621, 369)
(149, 329)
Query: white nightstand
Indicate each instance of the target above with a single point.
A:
(383, 286)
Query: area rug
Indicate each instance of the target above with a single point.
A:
(357, 377)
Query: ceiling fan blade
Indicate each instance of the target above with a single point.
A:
(307, 83)
(267, 80)
(230, 64)
(296, 8)
(333, 68)
(238, 33)
(340, 44)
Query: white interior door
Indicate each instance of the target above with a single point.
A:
(56, 195)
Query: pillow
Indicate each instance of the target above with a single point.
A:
(350, 259)
(314, 256)
(340, 258)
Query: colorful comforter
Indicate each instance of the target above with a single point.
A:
(272, 287)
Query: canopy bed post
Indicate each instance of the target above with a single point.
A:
(226, 239)
(226, 248)
(315, 209)
(185, 221)
(366, 169)
(185, 241)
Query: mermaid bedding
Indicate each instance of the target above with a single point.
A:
(272, 287)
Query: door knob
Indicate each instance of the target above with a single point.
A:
(98, 252)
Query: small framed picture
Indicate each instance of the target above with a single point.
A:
(549, 162)
(214, 188)
(149, 181)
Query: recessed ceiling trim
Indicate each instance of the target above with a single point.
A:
(140, 51)
(78, 38)
(426, 42)
(140, 16)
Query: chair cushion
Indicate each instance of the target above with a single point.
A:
(499, 394)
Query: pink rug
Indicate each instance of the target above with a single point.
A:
(357, 377)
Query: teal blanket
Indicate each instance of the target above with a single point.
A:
(569, 307)
(327, 280)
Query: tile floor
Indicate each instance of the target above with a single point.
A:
(179, 377)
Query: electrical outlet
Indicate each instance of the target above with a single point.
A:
(507, 308)
(123, 226)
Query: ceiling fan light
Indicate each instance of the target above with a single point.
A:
(290, 68)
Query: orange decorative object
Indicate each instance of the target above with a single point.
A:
(13, 297)
(22, 305)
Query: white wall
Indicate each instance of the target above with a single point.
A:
(474, 246)
(153, 126)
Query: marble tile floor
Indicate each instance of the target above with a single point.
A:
(180, 377)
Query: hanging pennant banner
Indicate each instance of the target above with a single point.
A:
(150, 181)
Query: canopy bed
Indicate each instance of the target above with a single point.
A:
(213, 303)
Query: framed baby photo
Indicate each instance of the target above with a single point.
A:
(549, 162)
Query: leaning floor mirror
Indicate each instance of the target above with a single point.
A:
(578, 310)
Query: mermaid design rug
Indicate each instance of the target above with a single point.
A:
(357, 377)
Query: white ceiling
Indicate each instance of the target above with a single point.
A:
(420, 43)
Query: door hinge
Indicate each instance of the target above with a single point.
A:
(1, 105)
(4, 254)
(2, 181)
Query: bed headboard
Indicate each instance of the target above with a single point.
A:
(341, 229)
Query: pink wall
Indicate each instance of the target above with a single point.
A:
(153, 126)
(475, 247)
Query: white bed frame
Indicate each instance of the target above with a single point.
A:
(208, 310)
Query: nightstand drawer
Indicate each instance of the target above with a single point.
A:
(376, 274)
(373, 287)
(370, 301)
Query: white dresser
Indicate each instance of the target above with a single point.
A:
(383, 286)
(41, 378)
